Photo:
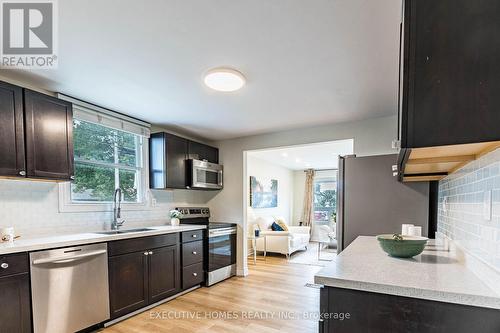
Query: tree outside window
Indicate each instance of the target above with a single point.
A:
(105, 159)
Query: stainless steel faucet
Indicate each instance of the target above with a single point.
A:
(117, 221)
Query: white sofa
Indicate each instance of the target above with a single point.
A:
(284, 242)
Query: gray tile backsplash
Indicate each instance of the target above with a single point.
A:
(463, 212)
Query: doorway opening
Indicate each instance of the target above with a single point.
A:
(291, 201)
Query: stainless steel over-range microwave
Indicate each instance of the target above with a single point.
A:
(205, 175)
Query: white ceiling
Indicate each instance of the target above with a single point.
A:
(306, 62)
(313, 156)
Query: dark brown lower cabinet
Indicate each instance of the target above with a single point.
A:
(128, 283)
(360, 311)
(15, 305)
(143, 277)
(164, 273)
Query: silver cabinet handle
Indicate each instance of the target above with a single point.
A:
(145, 253)
(22, 173)
(150, 252)
(195, 274)
(195, 253)
(4, 265)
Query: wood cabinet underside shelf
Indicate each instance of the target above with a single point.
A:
(435, 163)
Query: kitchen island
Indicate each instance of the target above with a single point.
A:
(432, 292)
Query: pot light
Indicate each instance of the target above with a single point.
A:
(224, 79)
(284, 154)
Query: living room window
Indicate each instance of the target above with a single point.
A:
(325, 197)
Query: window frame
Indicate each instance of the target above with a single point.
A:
(66, 205)
(323, 179)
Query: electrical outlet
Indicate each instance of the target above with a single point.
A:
(487, 205)
(153, 202)
(444, 204)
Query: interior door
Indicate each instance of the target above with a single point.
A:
(49, 136)
(12, 161)
(164, 272)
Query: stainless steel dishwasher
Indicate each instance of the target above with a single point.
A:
(69, 288)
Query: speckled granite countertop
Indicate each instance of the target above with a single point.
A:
(42, 243)
(436, 275)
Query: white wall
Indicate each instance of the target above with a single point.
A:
(264, 170)
(371, 137)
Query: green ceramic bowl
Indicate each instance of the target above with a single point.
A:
(409, 247)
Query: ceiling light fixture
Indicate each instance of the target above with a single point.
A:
(298, 160)
(224, 79)
(284, 154)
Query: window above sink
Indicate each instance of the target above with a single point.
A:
(110, 152)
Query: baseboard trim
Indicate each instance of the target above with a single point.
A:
(131, 314)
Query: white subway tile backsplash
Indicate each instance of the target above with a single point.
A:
(32, 209)
(464, 220)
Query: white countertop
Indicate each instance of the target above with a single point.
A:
(50, 242)
(435, 274)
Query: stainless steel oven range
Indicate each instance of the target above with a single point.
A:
(220, 245)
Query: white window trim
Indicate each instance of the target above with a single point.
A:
(67, 206)
(65, 203)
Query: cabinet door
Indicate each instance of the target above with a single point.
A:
(199, 151)
(49, 136)
(452, 72)
(128, 283)
(11, 131)
(15, 313)
(176, 154)
(164, 272)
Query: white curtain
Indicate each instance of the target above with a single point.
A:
(307, 212)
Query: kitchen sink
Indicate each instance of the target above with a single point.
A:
(116, 232)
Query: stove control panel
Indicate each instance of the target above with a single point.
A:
(191, 212)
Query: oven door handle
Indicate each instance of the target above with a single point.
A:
(213, 233)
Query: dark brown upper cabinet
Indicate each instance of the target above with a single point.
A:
(449, 110)
(168, 155)
(200, 151)
(36, 135)
(49, 136)
(167, 158)
(12, 161)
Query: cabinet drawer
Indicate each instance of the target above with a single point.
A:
(141, 244)
(14, 264)
(192, 275)
(191, 236)
(192, 253)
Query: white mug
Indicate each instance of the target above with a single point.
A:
(7, 234)
(405, 229)
(415, 231)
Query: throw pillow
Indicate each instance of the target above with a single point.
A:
(276, 227)
(281, 222)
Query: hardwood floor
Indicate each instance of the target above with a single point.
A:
(274, 287)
